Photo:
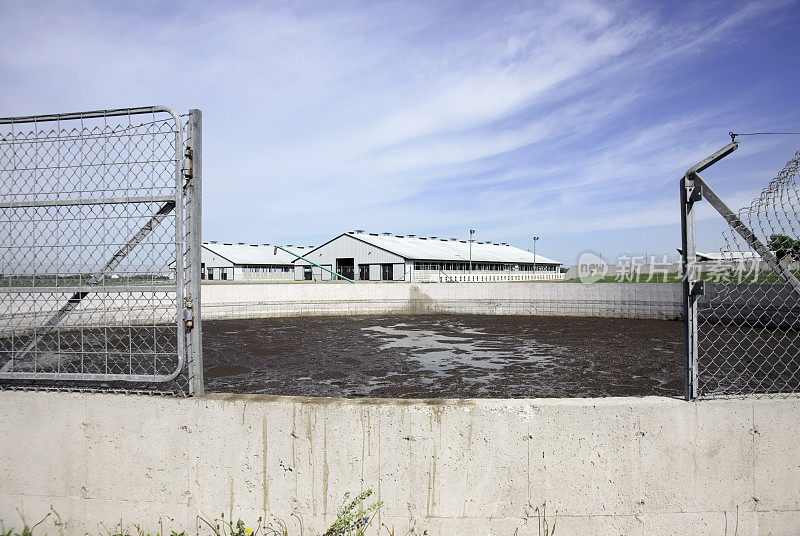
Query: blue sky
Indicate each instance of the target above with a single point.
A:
(572, 121)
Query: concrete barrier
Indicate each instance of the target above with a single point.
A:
(237, 300)
(639, 466)
(631, 300)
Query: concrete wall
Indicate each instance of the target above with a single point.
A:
(604, 299)
(660, 301)
(616, 466)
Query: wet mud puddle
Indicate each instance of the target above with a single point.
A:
(448, 356)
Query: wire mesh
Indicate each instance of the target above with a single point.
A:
(749, 317)
(91, 234)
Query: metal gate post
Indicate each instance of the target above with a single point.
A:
(691, 192)
(688, 262)
(194, 242)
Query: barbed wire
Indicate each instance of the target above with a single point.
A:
(749, 330)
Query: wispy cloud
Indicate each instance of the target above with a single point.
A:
(417, 117)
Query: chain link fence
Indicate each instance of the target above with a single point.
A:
(98, 252)
(743, 303)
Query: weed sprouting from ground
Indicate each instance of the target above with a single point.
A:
(353, 519)
(26, 530)
(544, 526)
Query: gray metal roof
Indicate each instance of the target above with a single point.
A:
(420, 248)
(729, 256)
(255, 254)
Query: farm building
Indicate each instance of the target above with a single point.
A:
(368, 256)
(247, 262)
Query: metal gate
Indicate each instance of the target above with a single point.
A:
(742, 305)
(99, 251)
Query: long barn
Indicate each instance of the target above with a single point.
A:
(247, 262)
(384, 257)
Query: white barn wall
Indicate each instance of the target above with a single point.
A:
(345, 247)
(213, 260)
(374, 272)
(357, 247)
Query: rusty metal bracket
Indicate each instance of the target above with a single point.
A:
(188, 313)
(697, 288)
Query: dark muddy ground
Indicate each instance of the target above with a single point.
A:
(444, 356)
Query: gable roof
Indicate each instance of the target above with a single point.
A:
(420, 248)
(255, 254)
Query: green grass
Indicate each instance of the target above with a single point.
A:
(75, 281)
(656, 278)
(729, 277)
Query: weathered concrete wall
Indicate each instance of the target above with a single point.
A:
(647, 466)
(291, 299)
(653, 300)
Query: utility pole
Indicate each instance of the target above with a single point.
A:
(471, 232)
(535, 239)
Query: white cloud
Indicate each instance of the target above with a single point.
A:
(323, 117)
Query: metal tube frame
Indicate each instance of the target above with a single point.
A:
(692, 286)
(188, 299)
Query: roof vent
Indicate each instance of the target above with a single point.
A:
(289, 245)
(213, 242)
(311, 247)
(454, 239)
(373, 234)
(399, 236)
(240, 243)
(443, 239)
(433, 237)
(359, 231)
(422, 238)
(254, 245)
(386, 234)
(411, 235)
(463, 241)
(226, 244)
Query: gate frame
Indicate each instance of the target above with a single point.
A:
(187, 190)
(693, 189)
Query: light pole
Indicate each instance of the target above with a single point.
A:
(535, 239)
(471, 232)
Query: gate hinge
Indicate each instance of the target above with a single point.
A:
(696, 288)
(188, 313)
(186, 167)
(694, 193)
